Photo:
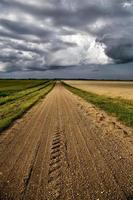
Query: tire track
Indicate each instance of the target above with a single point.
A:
(54, 173)
(36, 188)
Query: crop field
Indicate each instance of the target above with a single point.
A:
(65, 147)
(122, 89)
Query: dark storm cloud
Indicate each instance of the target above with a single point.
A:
(24, 28)
(32, 32)
(118, 41)
(61, 15)
(51, 68)
(122, 52)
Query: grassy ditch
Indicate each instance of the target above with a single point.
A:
(14, 108)
(120, 108)
(22, 93)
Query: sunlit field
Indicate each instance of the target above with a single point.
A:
(123, 89)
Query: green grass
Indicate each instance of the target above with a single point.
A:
(8, 87)
(120, 108)
(16, 95)
(17, 104)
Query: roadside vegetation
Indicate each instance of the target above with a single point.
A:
(118, 107)
(20, 96)
(8, 87)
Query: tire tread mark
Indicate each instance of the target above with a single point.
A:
(27, 179)
(55, 165)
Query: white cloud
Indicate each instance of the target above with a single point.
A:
(127, 4)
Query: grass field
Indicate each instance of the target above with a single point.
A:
(19, 95)
(122, 89)
(121, 108)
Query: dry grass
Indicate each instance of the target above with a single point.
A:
(120, 89)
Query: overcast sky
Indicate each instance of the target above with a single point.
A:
(66, 38)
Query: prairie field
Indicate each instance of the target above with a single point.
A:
(123, 89)
(65, 147)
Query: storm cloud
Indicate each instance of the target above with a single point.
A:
(56, 35)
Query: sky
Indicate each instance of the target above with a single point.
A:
(66, 39)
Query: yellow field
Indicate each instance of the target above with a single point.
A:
(123, 89)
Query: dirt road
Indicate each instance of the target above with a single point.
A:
(58, 151)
